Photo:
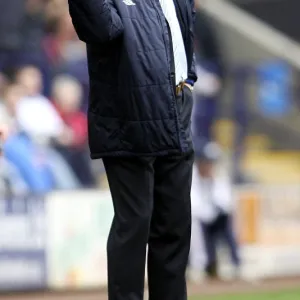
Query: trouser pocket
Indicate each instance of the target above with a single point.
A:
(185, 107)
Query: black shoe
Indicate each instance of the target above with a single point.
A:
(212, 271)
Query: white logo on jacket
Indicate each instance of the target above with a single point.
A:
(129, 2)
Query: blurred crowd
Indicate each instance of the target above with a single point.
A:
(43, 98)
(44, 95)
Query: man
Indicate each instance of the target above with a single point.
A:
(140, 58)
(212, 207)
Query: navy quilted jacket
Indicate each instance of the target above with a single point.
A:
(132, 105)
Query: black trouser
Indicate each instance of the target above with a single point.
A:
(151, 198)
(221, 228)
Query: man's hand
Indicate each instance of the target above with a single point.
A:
(190, 87)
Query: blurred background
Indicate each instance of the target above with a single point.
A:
(55, 207)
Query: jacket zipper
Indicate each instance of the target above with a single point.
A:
(170, 56)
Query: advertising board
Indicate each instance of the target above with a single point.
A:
(22, 243)
(79, 224)
(268, 226)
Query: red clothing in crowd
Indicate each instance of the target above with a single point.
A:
(77, 121)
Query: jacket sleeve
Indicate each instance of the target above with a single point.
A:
(95, 21)
(192, 71)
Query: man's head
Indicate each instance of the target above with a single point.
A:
(67, 93)
(206, 158)
(30, 78)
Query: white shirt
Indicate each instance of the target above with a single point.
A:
(37, 117)
(207, 195)
(180, 59)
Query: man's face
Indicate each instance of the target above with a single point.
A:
(68, 99)
(30, 78)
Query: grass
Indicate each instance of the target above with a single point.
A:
(284, 295)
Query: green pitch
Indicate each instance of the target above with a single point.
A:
(284, 295)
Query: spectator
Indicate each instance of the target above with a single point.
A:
(62, 44)
(35, 113)
(212, 207)
(65, 51)
(20, 151)
(67, 95)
